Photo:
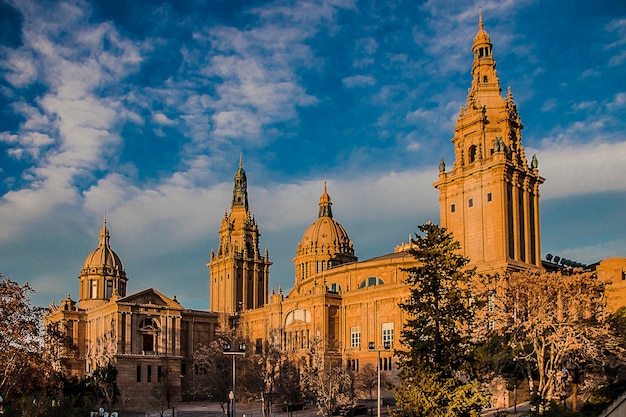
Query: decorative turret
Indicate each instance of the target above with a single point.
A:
(240, 188)
(239, 274)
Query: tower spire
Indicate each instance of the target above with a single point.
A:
(240, 188)
(325, 204)
(485, 79)
(104, 233)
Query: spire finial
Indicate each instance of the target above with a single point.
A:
(104, 233)
(480, 18)
(240, 159)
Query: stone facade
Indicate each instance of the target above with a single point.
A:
(147, 336)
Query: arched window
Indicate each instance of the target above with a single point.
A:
(298, 315)
(149, 328)
(334, 287)
(472, 154)
(370, 282)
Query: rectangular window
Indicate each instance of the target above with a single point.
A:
(109, 289)
(183, 368)
(387, 334)
(148, 343)
(471, 202)
(159, 373)
(94, 289)
(489, 197)
(149, 378)
(355, 336)
(138, 373)
(453, 208)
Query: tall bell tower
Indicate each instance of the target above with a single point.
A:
(489, 199)
(239, 275)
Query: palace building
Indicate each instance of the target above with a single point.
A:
(489, 199)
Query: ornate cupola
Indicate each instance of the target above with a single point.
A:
(102, 274)
(240, 189)
(490, 198)
(239, 277)
(484, 77)
(324, 244)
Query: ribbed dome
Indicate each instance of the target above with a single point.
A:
(103, 260)
(325, 235)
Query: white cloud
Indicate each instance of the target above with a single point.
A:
(72, 67)
(358, 80)
(162, 119)
(576, 169)
(618, 28)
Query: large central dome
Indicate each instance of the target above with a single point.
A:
(324, 244)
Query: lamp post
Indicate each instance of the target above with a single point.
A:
(233, 354)
(372, 348)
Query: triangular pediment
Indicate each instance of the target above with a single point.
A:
(151, 298)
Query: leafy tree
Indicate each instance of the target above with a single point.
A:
(435, 378)
(554, 326)
(21, 348)
(103, 379)
(427, 394)
(440, 306)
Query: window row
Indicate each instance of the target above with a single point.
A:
(386, 331)
(470, 202)
(148, 373)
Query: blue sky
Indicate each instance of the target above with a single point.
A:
(141, 108)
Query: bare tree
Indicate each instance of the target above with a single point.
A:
(328, 383)
(366, 380)
(164, 389)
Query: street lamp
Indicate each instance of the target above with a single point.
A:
(372, 348)
(233, 354)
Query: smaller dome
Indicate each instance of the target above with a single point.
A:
(325, 235)
(103, 260)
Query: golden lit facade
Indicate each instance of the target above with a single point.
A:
(489, 200)
(239, 275)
